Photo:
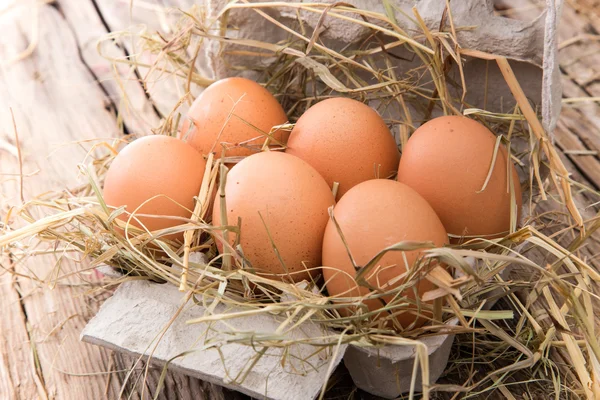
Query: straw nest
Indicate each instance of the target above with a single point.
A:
(538, 339)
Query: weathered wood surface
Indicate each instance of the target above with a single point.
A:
(55, 102)
(64, 92)
(579, 40)
(87, 25)
(124, 15)
(60, 95)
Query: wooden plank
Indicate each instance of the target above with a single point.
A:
(17, 367)
(156, 16)
(153, 16)
(88, 28)
(579, 62)
(569, 138)
(585, 116)
(589, 9)
(55, 102)
(579, 128)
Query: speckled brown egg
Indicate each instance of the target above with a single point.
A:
(372, 216)
(281, 195)
(346, 141)
(254, 111)
(447, 161)
(161, 172)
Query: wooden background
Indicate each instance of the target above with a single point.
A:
(62, 92)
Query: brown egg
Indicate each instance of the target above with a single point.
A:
(254, 112)
(446, 161)
(155, 166)
(292, 198)
(346, 141)
(372, 216)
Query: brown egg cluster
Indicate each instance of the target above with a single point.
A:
(454, 177)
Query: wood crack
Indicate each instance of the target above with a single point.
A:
(113, 106)
(566, 74)
(581, 171)
(36, 367)
(124, 50)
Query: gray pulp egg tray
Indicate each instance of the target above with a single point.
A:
(134, 318)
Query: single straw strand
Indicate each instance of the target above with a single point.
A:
(189, 234)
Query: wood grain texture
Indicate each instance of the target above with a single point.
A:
(580, 62)
(579, 126)
(63, 93)
(151, 16)
(58, 102)
(88, 28)
(17, 368)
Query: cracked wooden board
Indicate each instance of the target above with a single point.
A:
(57, 101)
(578, 131)
(88, 28)
(137, 16)
(18, 377)
(49, 113)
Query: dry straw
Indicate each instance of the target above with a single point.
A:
(539, 339)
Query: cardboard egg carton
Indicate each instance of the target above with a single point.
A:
(387, 371)
(131, 320)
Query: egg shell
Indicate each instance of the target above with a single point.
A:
(155, 166)
(252, 107)
(446, 161)
(293, 200)
(346, 141)
(372, 216)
